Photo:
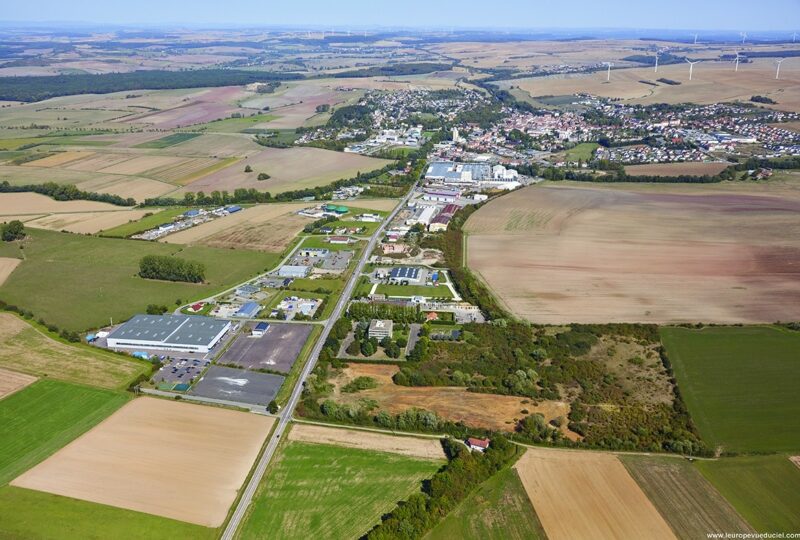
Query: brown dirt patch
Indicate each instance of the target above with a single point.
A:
(795, 460)
(86, 222)
(11, 382)
(677, 169)
(630, 253)
(175, 460)
(58, 159)
(488, 411)
(7, 265)
(587, 495)
(351, 438)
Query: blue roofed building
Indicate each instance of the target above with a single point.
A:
(405, 273)
(248, 310)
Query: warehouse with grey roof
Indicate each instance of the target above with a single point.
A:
(185, 333)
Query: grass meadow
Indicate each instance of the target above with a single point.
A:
(78, 282)
(34, 514)
(169, 140)
(440, 291)
(688, 502)
(764, 489)
(37, 421)
(324, 491)
(159, 217)
(498, 509)
(740, 385)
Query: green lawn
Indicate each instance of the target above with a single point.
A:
(415, 290)
(368, 227)
(740, 385)
(306, 284)
(686, 500)
(498, 509)
(34, 514)
(764, 489)
(169, 140)
(159, 217)
(37, 421)
(582, 151)
(319, 242)
(77, 282)
(323, 491)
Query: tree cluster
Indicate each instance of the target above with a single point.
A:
(13, 230)
(171, 269)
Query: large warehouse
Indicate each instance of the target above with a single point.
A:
(169, 332)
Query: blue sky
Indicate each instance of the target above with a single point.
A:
(665, 14)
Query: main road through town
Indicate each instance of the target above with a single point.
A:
(286, 414)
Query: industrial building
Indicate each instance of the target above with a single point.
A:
(248, 310)
(380, 329)
(294, 271)
(260, 329)
(187, 333)
(458, 173)
(406, 274)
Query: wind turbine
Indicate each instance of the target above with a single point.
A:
(737, 62)
(744, 36)
(608, 74)
(794, 37)
(778, 71)
(656, 61)
(695, 39)
(691, 67)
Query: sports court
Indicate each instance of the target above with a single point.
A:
(166, 458)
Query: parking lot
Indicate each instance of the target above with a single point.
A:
(238, 385)
(179, 371)
(276, 350)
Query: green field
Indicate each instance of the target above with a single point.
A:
(323, 491)
(34, 514)
(740, 385)
(415, 290)
(77, 282)
(37, 421)
(235, 125)
(319, 242)
(498, 509)
(764, 489)
(686, 500)
(27, 348)
(310, 285)
(583, 151)
(169, 140)
(159, 217)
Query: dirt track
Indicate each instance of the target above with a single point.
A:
(587, 495)
(171, 459)
(627, 253)
(11, 382)
(406, 446)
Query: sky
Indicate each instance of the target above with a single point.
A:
(738, 15)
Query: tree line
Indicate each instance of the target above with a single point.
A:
(66, 192)
(171, 269)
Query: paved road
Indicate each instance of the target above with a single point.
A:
(288, 410)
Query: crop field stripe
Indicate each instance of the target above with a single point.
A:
(688, 502)
(323, 491)
(47, 415)
(764, 489)
(739, 384)
(499, 509)
(169, 140)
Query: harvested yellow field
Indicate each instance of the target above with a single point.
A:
(7, 265)
(32, 203)
(58, 159)
(561, 253)
(580, 494)
(381, 442)
(11, 382)
(86, 222)
(126, 186)
(96, 162)
(141, 164)
(170, 459)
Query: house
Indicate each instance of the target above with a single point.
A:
(260, 329)
(439, 223)
(292, 271)
(197, 307)
(431, 316)
(339, 240)
(478, 444)
(248, 310)
(380, 329)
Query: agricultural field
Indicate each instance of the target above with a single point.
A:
(169, 140)
(311, 490)
(740, 385)
(689, 503)
(569, 252)
(765, 490)
(289, 169)
(579, 494)
(475, 409)
(97, 277)
(677, 169)
(26, 349)
(193, 473)
(85, 222)
(17, 204)
(264, 227)
(499, 509)
(11, 382)
(712, 82)
(157, 217)
(37, 421)
(7, 265)
(35, 514)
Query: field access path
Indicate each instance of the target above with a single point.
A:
(288, 410)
